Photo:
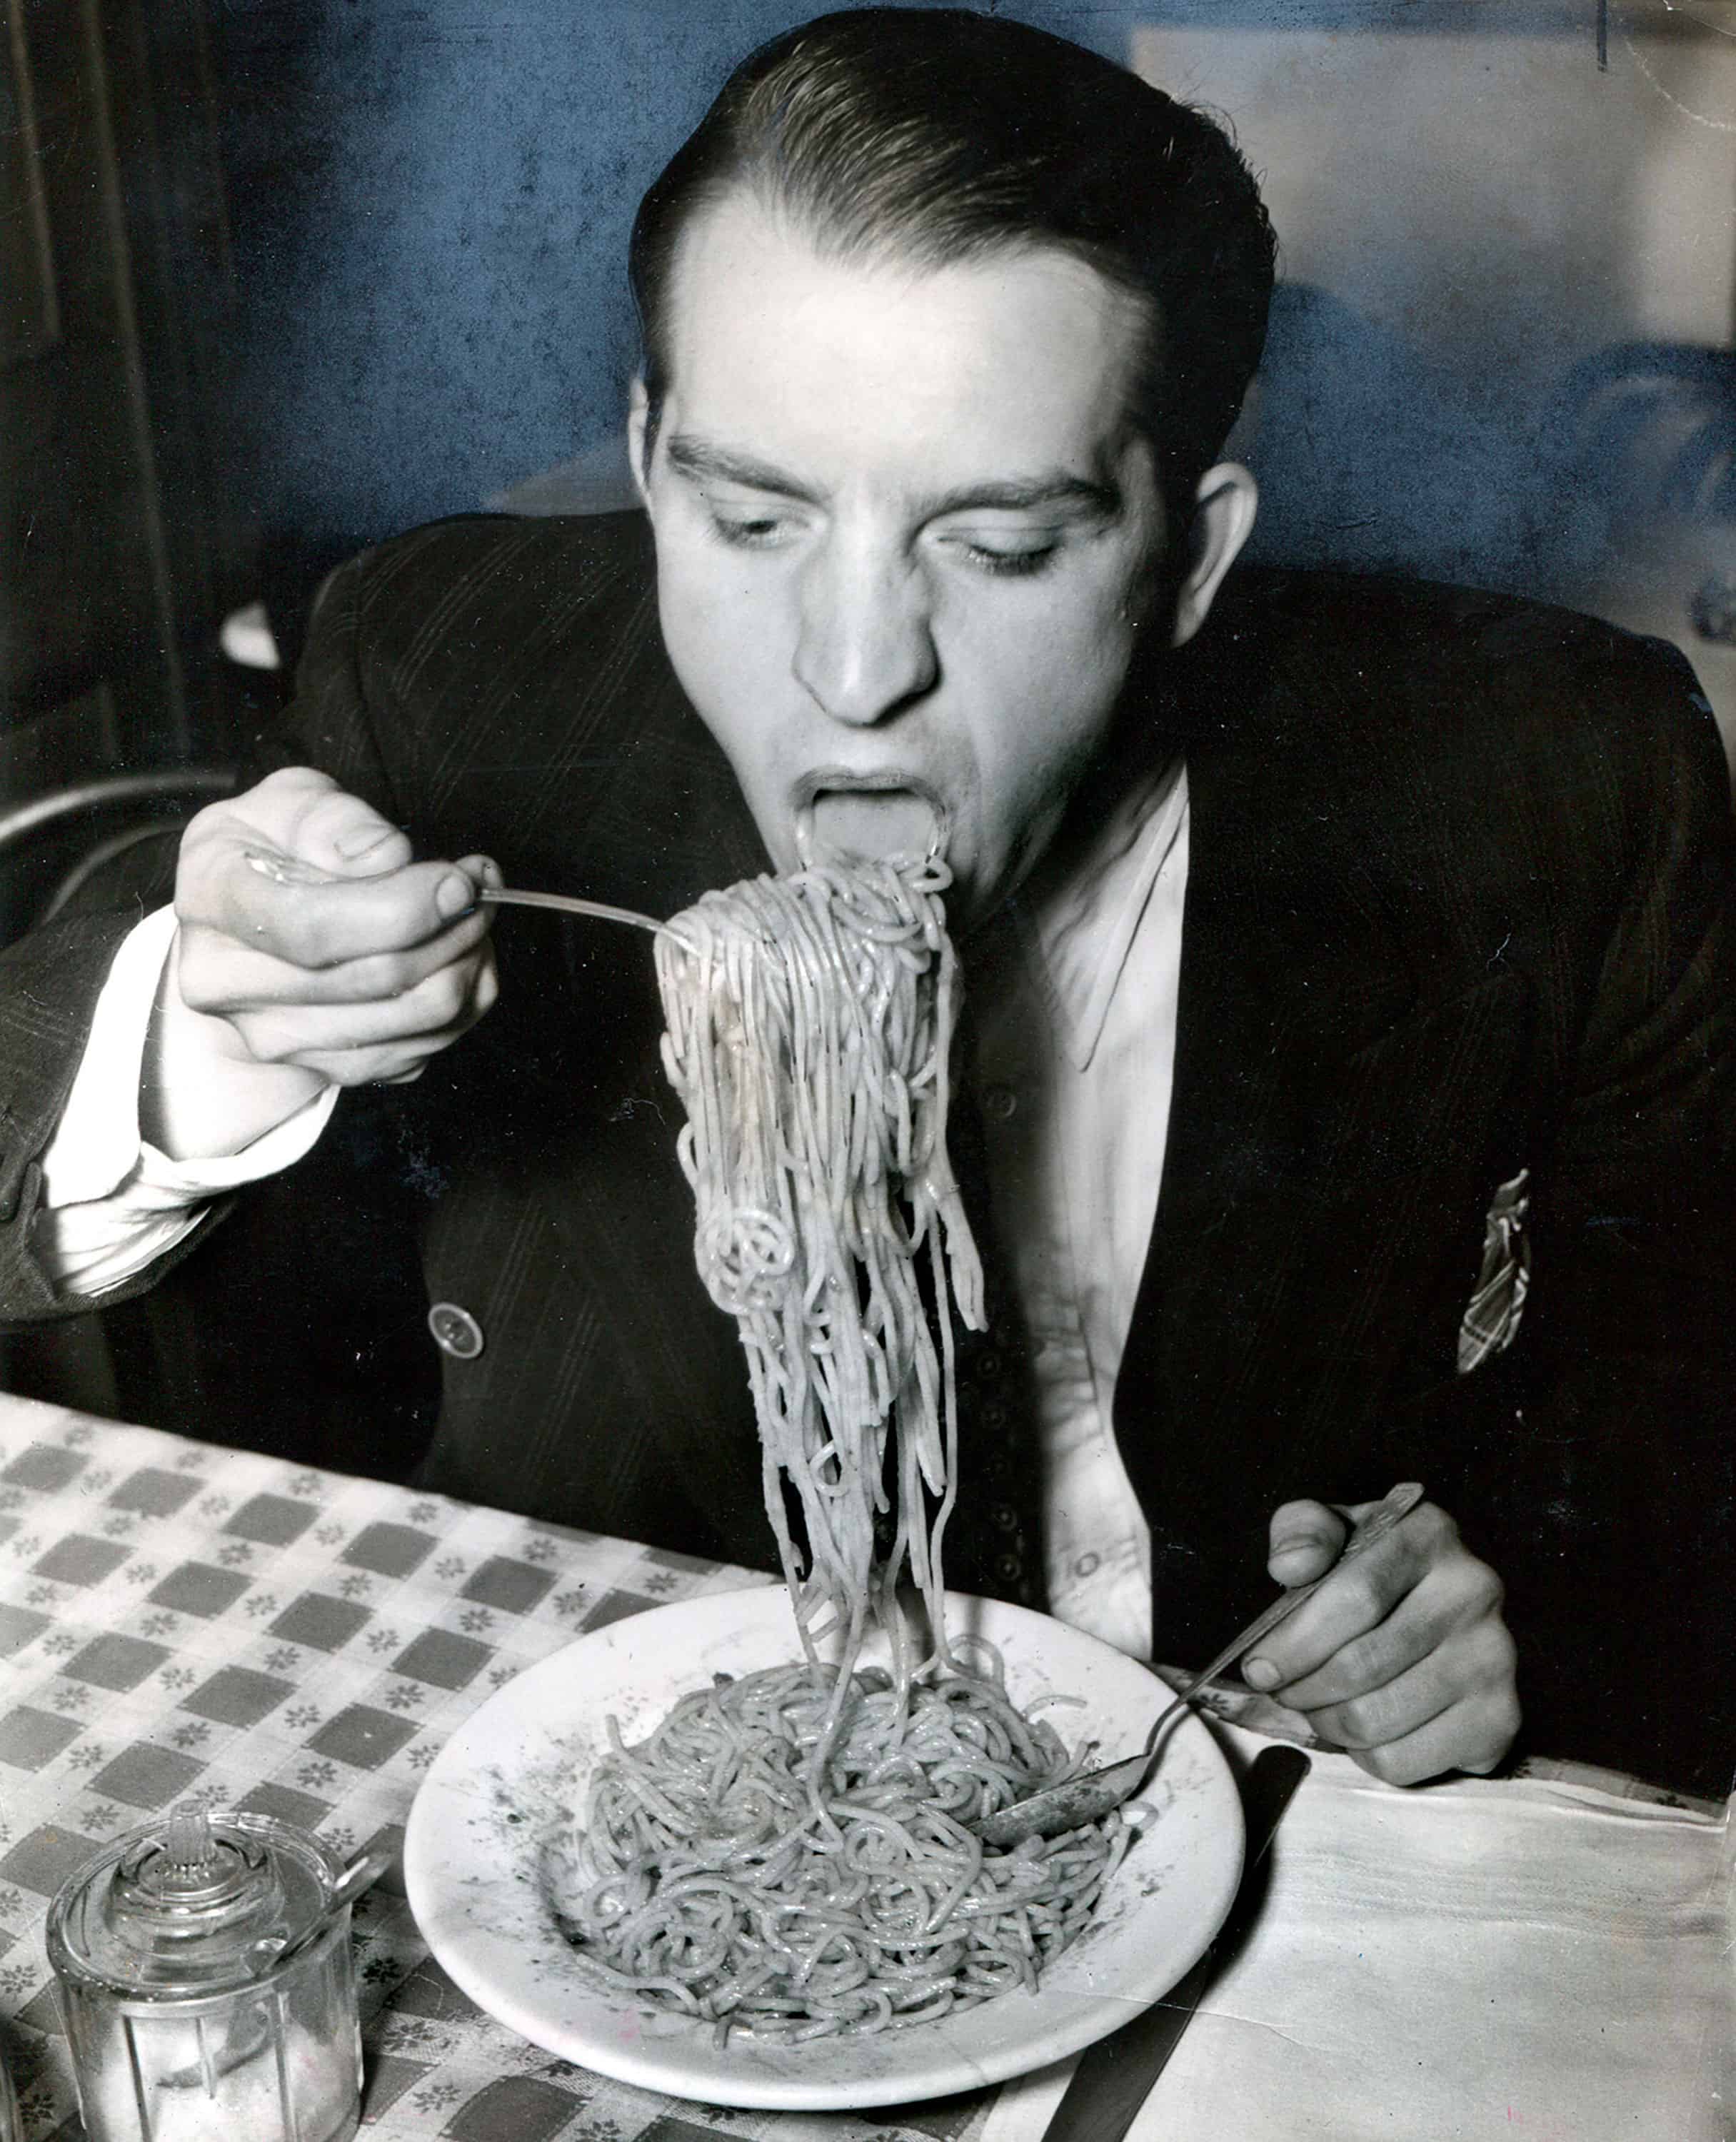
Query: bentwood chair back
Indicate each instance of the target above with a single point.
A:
(52, 845)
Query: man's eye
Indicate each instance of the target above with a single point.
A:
(747, 531)
(989, 558)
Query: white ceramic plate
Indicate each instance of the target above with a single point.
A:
(509, 1780)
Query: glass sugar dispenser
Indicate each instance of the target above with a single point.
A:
(11, 2127)
(205, 1976)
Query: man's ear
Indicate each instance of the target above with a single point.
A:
(1223, 510)
(639, 416)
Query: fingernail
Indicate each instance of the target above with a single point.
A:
(1259, 1673)
(363, 841)
(1296, 1541)
(454, 896)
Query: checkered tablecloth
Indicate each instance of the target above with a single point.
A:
(178, 1620)
(1550, 1953)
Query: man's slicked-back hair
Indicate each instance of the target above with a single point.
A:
(935, 137)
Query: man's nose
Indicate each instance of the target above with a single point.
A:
(866, 646)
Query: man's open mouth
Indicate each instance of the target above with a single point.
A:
(846, 817)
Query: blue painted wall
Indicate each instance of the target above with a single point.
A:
(431, 206)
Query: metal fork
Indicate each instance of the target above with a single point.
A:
(1060, 1808)
(290, 870)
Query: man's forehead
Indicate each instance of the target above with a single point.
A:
(770, 328)
(732, 240)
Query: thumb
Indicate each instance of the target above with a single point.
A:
(319, 829)
(341, 833)
(1305, 1540)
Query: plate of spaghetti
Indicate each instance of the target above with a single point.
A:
(688, 1919)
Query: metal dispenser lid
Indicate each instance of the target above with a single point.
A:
(192, 1906)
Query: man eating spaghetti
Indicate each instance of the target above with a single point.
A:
(1347, 962)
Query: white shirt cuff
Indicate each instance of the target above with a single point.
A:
(112, 1203)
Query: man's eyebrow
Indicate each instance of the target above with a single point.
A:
(1021, 494)
(701, 459)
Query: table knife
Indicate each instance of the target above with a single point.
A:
(1115, 2076)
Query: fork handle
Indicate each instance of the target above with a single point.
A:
(1390, 1511)
(290, 870)
(566, 903)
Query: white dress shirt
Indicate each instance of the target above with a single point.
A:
(112, 1204)
(1075, 1006)
(1075, 998)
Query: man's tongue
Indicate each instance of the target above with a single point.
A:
(871, 825)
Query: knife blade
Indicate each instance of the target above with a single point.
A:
(1115, 2076)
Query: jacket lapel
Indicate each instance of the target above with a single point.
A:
(1335, 1069)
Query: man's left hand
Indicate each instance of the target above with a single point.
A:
(1401, 1658)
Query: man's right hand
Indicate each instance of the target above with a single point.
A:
(278, 990)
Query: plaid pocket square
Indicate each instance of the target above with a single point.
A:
(1491, 1321)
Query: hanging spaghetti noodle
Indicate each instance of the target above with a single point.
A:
(810, 1020)
(789, 1852)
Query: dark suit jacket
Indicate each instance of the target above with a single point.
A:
(1458, 907)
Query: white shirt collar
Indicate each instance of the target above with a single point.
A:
(1077, 924)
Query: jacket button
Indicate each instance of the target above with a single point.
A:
(455, 1330)
(1000, 1102)
(1008, 1566)
(1004, 1517)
